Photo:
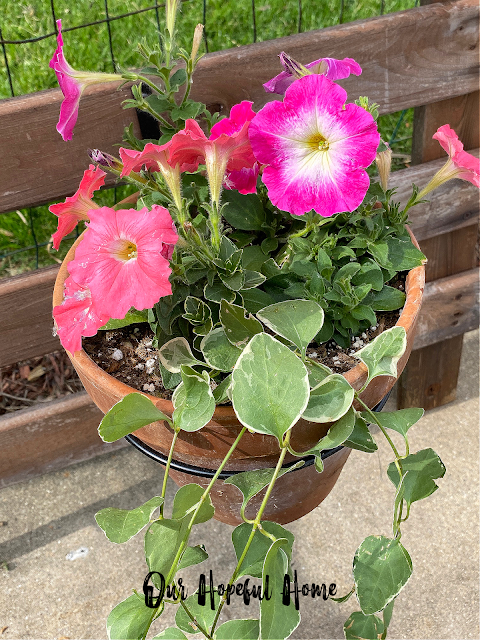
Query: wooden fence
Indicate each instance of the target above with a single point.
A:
(425, 58)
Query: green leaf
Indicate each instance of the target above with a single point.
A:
(253, 258)
(252, 279)
(190, 110)
(186, 501)
(317, 372)
(178, 78)
(296, 320)
(329, 400)
(238, 327)
(370, 273)
(337, 434)
(403, 255)
(421, 468)
(238, 630)
(382, 354)
(270, 386)
(388, 299)
(132, 317)
(204, 615)
(381, 568)
(361, 438)
(218, 292)
(169, 380)
(326, 332)
(255, 299)
(193, 401)
(162, 542)
(218, 351)
(252, 482)
(235, 282)
(220, 393)
(192, 556)
(400, 421)
(129, 620)
(176, 352)
(131, 413)
(120, 525)
(172, 633)
(252, 564)
(387, 613)
(362, 627)
(277, 621)
(243, 212)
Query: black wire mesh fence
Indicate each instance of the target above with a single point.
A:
(101, 35)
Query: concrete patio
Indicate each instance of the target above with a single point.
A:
(44, 594)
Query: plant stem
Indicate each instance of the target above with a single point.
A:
(167, 468)
(215, 221)
(382, 429)
(256, 525)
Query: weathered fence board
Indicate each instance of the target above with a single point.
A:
(26, 316)
(410, 58)
(450, 307)
(36, 164)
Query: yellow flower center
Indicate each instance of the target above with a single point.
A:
(318, 143)
(124, 250)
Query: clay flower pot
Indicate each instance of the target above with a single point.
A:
(296, 493)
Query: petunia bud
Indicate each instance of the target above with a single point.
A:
(293, 67)
(171, 7)
(197, 40)
(383, 160)
(104, 159)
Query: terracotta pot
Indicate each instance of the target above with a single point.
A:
(296, 493)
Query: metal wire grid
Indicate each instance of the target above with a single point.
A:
(108, 19)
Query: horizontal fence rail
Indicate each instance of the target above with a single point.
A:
(410, 58)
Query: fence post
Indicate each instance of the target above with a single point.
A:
(430, 378)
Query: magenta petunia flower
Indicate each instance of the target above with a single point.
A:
(227, 150)
(78, 206)
(72, 83)
(77, 316)
(122, 259)
(331, 68)
(315, 147)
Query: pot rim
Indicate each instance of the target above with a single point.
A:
(356, 376)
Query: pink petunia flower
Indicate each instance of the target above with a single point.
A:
(156, 157)
(227, 150)
(72, 83)
(78, 206)
(332, 68)
(77, 316)
(316, 148)
(122, 259)
(460, 164)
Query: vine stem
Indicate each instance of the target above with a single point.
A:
(184, 542)
(374, 419)
(167, 468)
(255, 526)
(397, 513)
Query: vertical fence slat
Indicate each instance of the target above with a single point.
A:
(430, 378)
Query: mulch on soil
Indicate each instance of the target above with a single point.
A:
(36, 381)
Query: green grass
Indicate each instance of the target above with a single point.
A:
(229, 23)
